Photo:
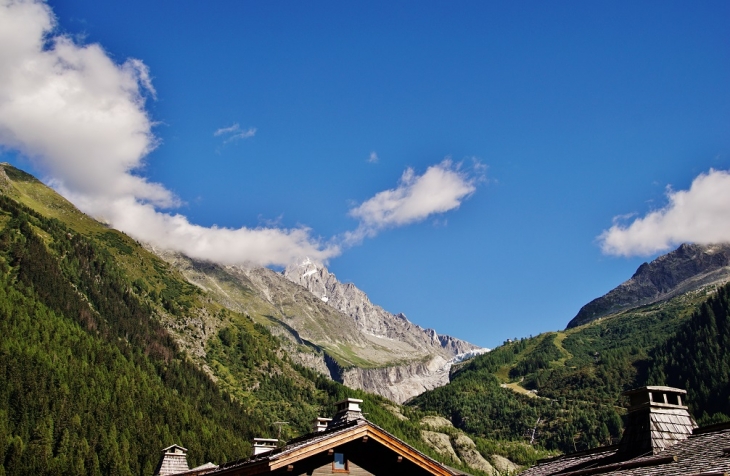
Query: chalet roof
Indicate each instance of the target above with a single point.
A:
(315, 443)
(706, 452)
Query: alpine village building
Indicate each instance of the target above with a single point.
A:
(660, 439)
(345, 444)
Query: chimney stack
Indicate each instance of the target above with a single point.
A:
(174, 460)
(264, 445)
(319, 424)
(347, 410)
(657, 418)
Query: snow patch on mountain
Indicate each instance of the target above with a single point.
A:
(468, 355)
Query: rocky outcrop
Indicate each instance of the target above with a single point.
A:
(461, 448)
(441, 443)
(688, 268)
(400, 382)
(436, 422)
(467, 451)
(503, 465)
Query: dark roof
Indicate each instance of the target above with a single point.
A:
(299, 446)
(706, 452)
(292, 445)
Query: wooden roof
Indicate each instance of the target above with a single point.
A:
(317, 443)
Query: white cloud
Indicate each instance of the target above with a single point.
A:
(441, 188)
(235, 133)
(227, 130)
(699, 215)
(82, 119)
(373, 158)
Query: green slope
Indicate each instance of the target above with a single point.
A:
(91, 384)
(578, 374)
(108, 355)
(697, 358)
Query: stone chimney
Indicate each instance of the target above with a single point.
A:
(174, 460)
(264, 445)
(657, 418)
(347, 410)
(319, 424)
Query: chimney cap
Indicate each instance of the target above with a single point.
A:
(349, 402)
(264, 445)
(173, 448)
(347, 410)
(320, 424)
(350, 399)
(265, 440)
(654, 388)
(656, 396)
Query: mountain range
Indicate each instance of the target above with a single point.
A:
(113, 349)
(332, 327)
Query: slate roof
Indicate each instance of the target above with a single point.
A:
(704, 453)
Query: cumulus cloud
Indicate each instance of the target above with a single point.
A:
(81, 118)
(373, 158)
(234, 133)
(699, 215)
(443, 187)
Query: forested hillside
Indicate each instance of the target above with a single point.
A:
(567, 385)
(475, 401)
(91, 384)
(92, 378)
(697, 358)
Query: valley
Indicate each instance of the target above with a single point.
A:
(106, 339)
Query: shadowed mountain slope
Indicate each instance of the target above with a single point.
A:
(688, 268)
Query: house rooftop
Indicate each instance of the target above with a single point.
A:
(319, 442)
(660, 438)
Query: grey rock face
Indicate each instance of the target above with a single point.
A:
(333, 329)
(372, 319)
(430, 355)
(688, 268)
(400, 382)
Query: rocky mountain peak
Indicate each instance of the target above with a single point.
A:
(371, 319)
(688, 268)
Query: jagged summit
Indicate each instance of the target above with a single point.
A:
(688, 268)
(371, 319)
(332, 327)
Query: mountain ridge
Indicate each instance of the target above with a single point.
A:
(372, 319)
(690, 267)
(392, 357)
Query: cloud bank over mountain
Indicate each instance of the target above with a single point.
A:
(698, 215)
(81, 118)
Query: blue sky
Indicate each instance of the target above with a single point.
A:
(554, 118)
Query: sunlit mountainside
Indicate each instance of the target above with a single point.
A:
(110, 353)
